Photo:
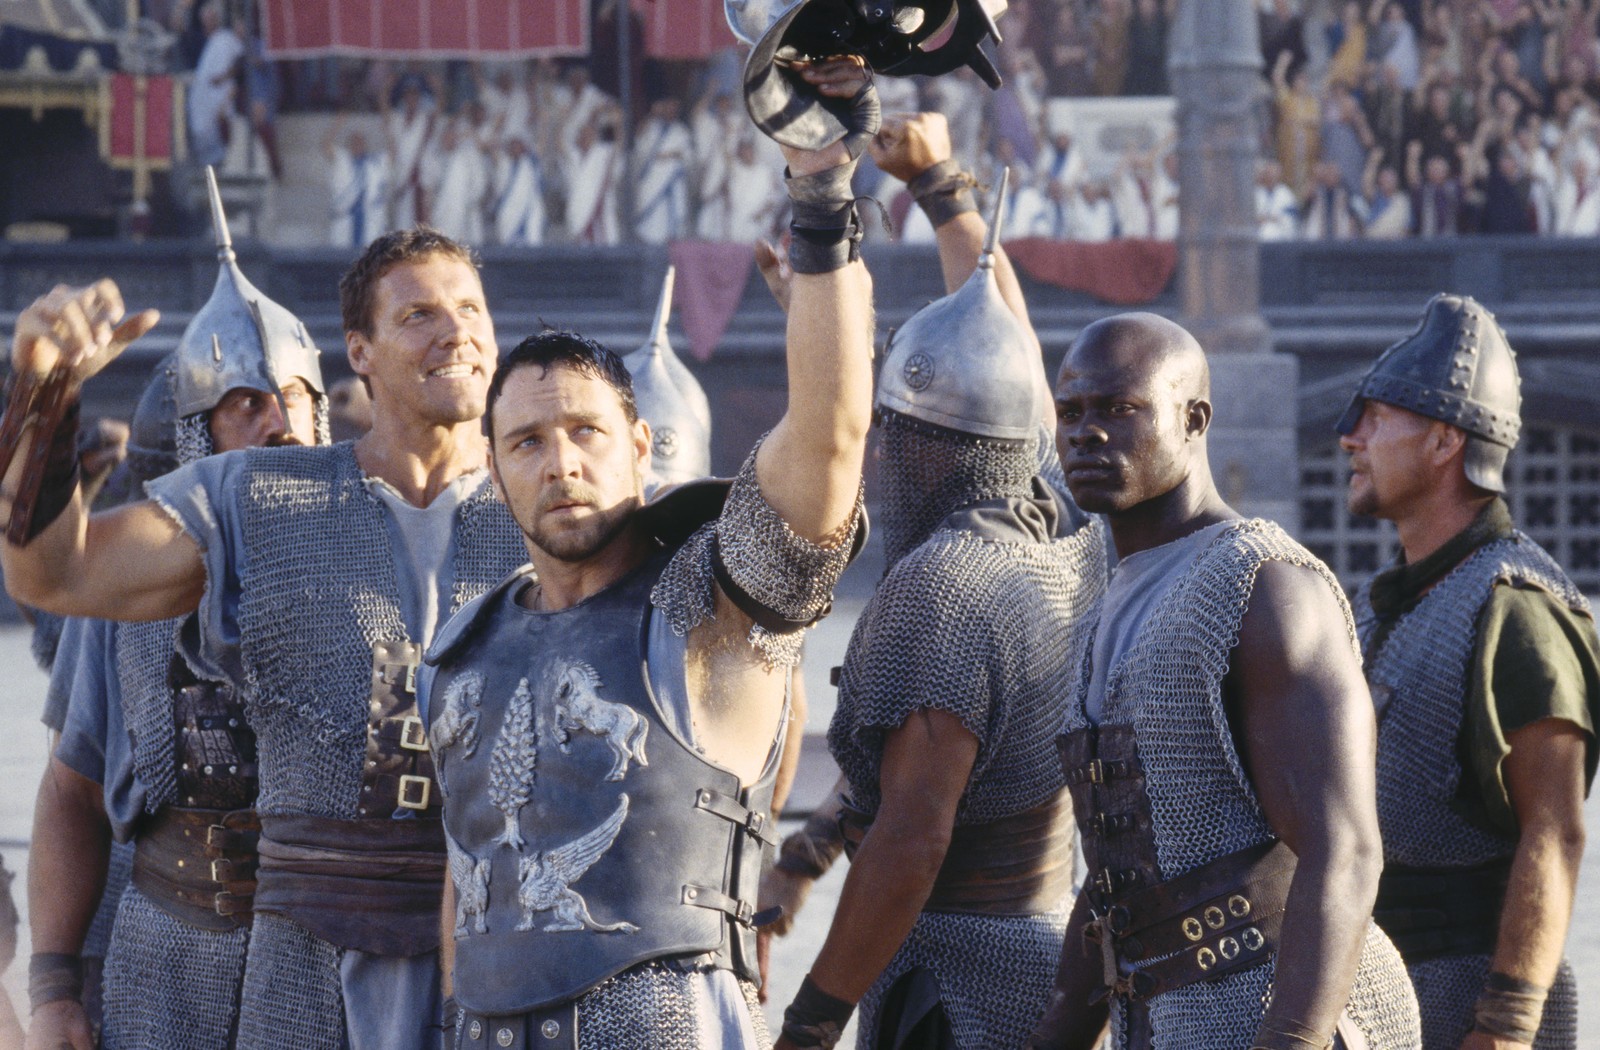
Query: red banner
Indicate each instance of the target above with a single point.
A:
(138, 121)
(427, 28)
(684, 28)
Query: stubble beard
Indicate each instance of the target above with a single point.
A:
(580, 543)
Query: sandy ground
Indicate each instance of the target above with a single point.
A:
(22, 750)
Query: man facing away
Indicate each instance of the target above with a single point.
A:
(954, 684)
(1485, 671)
(607, 722)
(149, 753)
(318, 575)
(1218, 746)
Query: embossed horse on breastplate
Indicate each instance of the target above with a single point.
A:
(578, 706)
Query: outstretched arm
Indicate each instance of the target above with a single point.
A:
(809, 468)
(133, 562)
(1303, 719)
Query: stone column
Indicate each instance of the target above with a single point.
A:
(1215, 67)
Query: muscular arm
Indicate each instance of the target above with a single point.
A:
(67, 864)
(926, 763)
(1544, 776)
(1304, 721)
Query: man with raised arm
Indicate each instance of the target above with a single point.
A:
(1218, 746)
(319, 574)
(607, 722)
(1485, 670)
(954, 684)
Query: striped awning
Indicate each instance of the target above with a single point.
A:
(426, 28)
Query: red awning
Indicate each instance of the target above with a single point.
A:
(684, 28)
(427, 28)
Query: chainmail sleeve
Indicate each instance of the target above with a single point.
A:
(782, 581)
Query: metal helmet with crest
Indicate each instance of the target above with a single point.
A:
(964, 362)
(241, 339)
(671, 400)
(1457, 367)
(894, 37)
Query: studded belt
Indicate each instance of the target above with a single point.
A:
(550, 1028)
(199, 865)
(1216, 920)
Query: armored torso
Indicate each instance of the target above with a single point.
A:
(581, 828)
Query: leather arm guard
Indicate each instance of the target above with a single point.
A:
(943, 192)
(811, 851)
(49, 407)
(52, 977)
(825, 234)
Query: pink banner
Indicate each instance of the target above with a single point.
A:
(427, 28)
(1127, 272)
(711, 279)
(688, 29)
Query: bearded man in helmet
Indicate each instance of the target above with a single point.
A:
(150, 754)
(953, 685)
(1485, 671)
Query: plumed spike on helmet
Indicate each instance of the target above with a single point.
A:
(153, 431)
(239, 338)
(671, 400)
(894, 37)
(1456, 367)
(965, 362)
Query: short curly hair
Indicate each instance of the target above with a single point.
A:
(553, 347)
(358, 288)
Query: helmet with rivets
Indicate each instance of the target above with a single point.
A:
(1457, 367)
(671, 400)
(240, 338)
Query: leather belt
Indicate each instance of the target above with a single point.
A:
(199, 865)
(1434, 912)
(1216, 920)
(1018, 865)
(548, 1028)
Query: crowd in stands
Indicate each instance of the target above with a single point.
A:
(1379, 119)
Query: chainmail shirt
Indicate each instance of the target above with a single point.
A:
(1419, 678)
(1167, 683)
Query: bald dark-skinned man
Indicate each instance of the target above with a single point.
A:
(1218, 748)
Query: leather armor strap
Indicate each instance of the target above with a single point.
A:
(1220, 918)
(1433, 912)
(943, 192)
(757, 825)
(1017, 865)
(397, 778)
(50, 407)
(365, 884)
(199, 865)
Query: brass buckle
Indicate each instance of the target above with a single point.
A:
(414, 792)
(413, 734)
(221, 870)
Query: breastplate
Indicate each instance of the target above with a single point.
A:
(581, 830)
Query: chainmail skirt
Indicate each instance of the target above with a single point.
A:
(292, 990)
(995, 975)
(170, 985)
(1448, 988)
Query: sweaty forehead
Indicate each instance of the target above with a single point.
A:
(1134, 351)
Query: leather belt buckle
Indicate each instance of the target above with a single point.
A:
(414, 792)
(222, 870)
(413, 736)
(226, 903)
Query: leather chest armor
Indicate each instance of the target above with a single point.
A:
(580, 827)
(216, 748)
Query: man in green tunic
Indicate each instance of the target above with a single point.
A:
(1484, 667)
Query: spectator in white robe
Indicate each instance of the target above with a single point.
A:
(506, 103)
(1057, 174)
(211, 102)
(1146, 196)
(457, 177)
(518, 192)
(359, 178)
(591, 167)
(1333, 212)
(746, 196)
(1276, 215)
(408, 130)
(662, 150)
(1528, 145)
(1388, 204)
(1577, 197)
(1093, 215)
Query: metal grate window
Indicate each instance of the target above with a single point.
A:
(1554, 491)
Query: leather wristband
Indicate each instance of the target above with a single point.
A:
(50, 407)
(1281, 1034)
(943, 192)
(1510, 1008)
(52, 977)
(825, 234)
(815, 1018)
(811, 851)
